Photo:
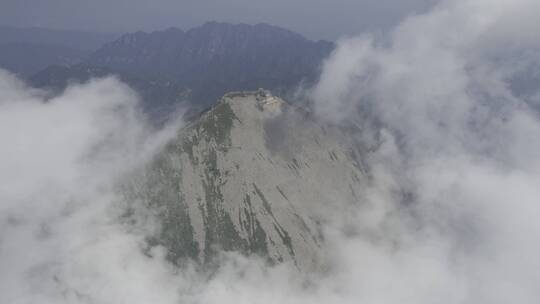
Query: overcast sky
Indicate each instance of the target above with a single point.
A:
(316, 19)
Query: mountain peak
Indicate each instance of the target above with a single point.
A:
(240, 178)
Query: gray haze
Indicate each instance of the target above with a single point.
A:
(316, 19)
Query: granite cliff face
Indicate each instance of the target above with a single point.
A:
(250, 175)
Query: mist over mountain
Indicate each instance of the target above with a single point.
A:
(78, 40)
(25, 59)
(26, 51)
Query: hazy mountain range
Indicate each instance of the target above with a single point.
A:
(171, 66)
(217, 57)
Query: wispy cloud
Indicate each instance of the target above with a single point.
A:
(60, 239)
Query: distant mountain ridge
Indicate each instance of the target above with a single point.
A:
(210, 60)
(217, 57)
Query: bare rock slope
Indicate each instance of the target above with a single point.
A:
(252, 175)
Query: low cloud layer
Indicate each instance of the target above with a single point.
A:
(455, 170)
(60, 239)
(448, 214)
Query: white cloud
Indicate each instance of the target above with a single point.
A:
(60, 240)
(458, 138)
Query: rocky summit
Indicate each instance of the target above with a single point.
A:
(251, 175)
